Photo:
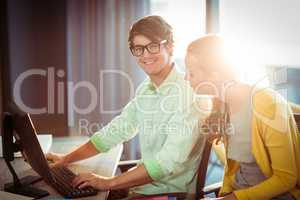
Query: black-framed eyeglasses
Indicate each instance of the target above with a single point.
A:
(153, 48)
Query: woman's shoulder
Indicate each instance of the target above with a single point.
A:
(269, 104)
(263, 96)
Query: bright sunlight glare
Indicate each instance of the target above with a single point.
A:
(247, 60)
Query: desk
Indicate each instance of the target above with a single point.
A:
(104, 164)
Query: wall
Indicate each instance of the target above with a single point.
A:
(37, 40)
(271, 26)
(269, 33)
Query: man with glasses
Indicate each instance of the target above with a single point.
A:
(160, 112)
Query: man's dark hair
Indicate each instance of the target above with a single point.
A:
(153, 27)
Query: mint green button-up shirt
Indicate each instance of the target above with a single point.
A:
(165, 120)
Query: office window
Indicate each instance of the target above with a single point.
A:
(267, 31)
(186, 18)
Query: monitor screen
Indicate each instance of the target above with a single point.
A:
(25, 135)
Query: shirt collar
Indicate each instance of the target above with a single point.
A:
(166, 84)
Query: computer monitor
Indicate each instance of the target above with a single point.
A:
(25, 136)
(18, 125)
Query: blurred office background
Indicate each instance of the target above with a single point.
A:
(75, 39)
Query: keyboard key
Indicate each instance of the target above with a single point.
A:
(62, 182)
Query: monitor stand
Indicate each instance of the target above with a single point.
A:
(18, 186)
(23, 186)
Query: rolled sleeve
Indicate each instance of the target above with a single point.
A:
(240, 195)
(120, 129)
(154, 169)
(98, 143)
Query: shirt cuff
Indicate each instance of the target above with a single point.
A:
(240, 195)
(154, 169)
(98, 143)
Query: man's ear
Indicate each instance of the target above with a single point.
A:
(170, 48)
(214, 75)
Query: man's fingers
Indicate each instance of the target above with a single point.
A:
(84, 184)
(80, 178)
(55, 158)
(54, 164)
(49, 156)
(77, 181)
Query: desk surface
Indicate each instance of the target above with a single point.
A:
(104, 164)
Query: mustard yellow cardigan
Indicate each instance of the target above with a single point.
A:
(275, 146)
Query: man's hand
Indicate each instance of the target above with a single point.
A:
(82, 152)
(89, 179)
(57, 159)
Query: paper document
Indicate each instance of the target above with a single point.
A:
(45, 141)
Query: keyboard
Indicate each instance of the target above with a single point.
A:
(62, 183)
